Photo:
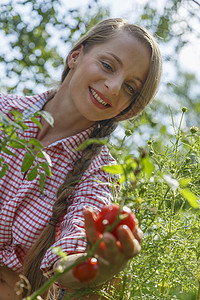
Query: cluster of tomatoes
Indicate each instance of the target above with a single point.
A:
(108, 219)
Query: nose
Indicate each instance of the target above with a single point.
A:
(113, 85)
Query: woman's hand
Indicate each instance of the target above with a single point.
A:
(112, 259)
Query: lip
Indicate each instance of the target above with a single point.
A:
(102, 97)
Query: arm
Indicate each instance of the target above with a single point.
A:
(8, 280)
(115, 258)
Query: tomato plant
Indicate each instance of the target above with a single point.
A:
(86, 270)
(109, 215)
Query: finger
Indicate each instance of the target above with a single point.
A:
(130, 245)
(138, 234)
(90, 228)
(112, 252)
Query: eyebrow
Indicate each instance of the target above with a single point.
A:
(121, 64)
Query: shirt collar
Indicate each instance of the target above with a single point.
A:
(36, 104)
(73, 142)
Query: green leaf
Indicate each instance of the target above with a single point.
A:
(42, 181)
(32, 174)
(122, 179)
(3, 170)
(58, 251)
(17, 144)
(47, 116)
(36, 143)
(114, 169)
(16, 114)
(184, 181)
(27, 161)
(13, 136)
(92, 141)
(40, 154)
(5, 150)
(35, 120)
(1, 160)
(190, 197)
(148, 166)
(22, 125)
(46, 168)
(130, 162)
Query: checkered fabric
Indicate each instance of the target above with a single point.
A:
(25, 211)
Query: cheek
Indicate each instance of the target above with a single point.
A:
(86, 75)
(92, 72)
(124, 103)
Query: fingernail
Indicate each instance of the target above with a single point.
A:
(140, 234)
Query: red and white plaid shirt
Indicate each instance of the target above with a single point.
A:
(25, 211)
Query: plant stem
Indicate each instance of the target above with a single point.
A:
(198, 292)
(172, 212)
(177, 134)
(58, 274)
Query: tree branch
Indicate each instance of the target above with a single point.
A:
(196, 2)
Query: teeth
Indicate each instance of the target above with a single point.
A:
(98, 98)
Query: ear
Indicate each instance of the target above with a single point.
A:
(73, 57)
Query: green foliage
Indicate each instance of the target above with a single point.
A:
(167, 207)
(10, 132)
(36, 33)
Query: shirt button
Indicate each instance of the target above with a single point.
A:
(42, 196)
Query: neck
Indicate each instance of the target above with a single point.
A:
(67, 122)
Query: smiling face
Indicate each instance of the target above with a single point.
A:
(103, 81)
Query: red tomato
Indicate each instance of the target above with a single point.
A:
(108, 216)
(86, 270)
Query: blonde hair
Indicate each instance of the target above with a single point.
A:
(100, 33)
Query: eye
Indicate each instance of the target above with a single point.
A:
(130, 89)
(106, 66)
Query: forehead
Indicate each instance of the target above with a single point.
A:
(123, 41)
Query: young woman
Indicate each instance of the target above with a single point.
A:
(110, 75)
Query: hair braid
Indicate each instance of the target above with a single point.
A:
(65, 191)
(64, 195)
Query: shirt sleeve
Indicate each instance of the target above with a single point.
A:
(93, 191)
